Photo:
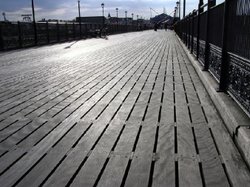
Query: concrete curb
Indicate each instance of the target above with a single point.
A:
(235, 119)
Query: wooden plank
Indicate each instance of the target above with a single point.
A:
(88, 175)
(189, 174)
(173, 146)
(164, 171)
(56, 155)
(197, 114)
(113, 173)
(140, 167)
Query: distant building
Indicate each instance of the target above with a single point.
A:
(55, 20)
(120, 21)
(92, 19)
(162, 18)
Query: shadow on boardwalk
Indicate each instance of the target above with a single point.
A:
(128, 111)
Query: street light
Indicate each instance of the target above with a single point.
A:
(34, 20)
(102, 14)
(117, 18)
(79, 12)
(184, 8)
(126, 12)
(132, 18)
(33, 10)
(126, 21)
(178, 5)
(175, 11)
(137, 20)
(116, 15)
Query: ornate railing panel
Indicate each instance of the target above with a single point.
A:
(239, 28)
(23, 34)
(10, 35)
(225, 29)
(239, 80)
(195, 46)
(52, 33)
(41, 33)
(28, 38)
(202, 52)
(215, 61)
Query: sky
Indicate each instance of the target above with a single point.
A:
(67, 9)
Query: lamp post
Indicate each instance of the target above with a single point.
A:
(126, 12)
(178, 8)
(184, 8)
(132, 20)
(103, 14)
(79, 12)
(175, 11)
(137, 16)
(116, 18)
(34, 21)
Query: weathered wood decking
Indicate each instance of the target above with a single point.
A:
(128, 111)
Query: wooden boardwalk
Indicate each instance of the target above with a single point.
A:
(128, 111)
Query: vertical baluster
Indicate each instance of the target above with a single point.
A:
(57, 31)
(189, 31)
(74, 30)
(19, 35)
(1, 37)
(35, 32)
(192, 39)
(207, 45)
(200, 10)
(224, 63)
(66, 32)
(47, 31)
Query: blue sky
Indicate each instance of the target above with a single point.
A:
(67, 9)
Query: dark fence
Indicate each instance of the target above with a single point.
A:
(220, 39)
(15, 35)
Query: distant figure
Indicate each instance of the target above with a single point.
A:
(141, 28)
(166, 26)
(155, 27)
(103, 31)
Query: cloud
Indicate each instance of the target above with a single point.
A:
(67, 9)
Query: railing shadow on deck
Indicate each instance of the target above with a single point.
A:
(220, 39)
(15, 35)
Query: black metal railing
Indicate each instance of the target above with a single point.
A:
(14, 35)
(220, 39)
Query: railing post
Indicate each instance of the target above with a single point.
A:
(185, 27)
(192, 39)
(34, 22)
(80, 30)
(85, 30)
(57, 31)
(207, 45)
(19, 35)
(198, 29)
(189, 31)
(1, 37)
(74, 30)
(47, 31)
(212, 3)
(35, 32)
(66, 31)
(224, 62)
(182, 28)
